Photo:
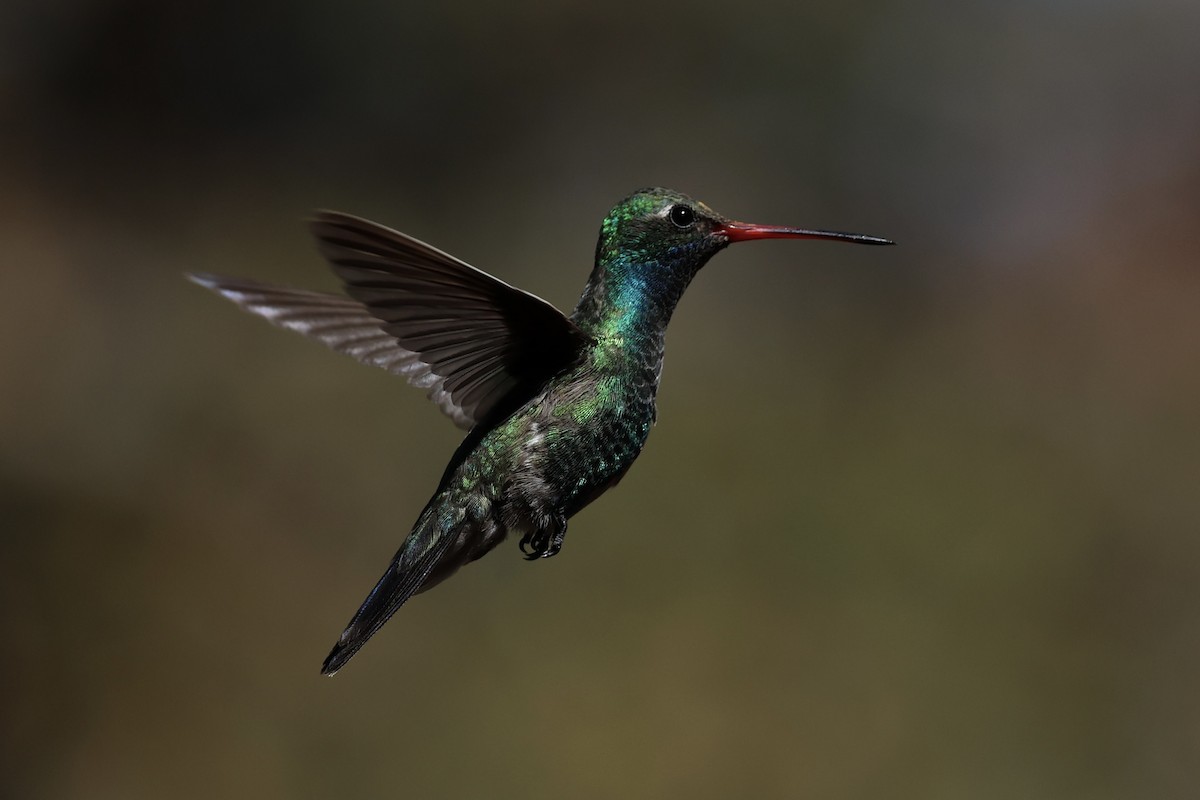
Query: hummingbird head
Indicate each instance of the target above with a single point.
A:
(654, 242)
(667, 230)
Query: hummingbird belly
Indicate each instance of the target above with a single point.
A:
(576, 441)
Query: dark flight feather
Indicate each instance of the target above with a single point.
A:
(472, 340)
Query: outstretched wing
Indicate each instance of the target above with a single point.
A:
(470, 339)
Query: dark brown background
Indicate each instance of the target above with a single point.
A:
(915, 523)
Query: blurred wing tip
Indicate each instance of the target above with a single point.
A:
(322, 214)
(235, 289)
(327, 216)
(205, 279)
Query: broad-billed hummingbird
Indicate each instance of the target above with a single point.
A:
(557, 407)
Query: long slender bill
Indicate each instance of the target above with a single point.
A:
(746, 231)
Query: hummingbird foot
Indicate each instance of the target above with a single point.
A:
(544, 542)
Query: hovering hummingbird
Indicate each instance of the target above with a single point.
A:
(557, 407)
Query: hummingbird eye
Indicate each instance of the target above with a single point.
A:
(683, 216)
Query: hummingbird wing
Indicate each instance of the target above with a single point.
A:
(472, 340)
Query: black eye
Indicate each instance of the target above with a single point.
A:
(683, 216)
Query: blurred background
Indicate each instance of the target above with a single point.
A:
(915, 523)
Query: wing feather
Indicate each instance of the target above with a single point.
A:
(474, 342)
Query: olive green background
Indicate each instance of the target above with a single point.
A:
(918, 522)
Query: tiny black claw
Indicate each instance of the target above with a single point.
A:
(526, 549)
(541, 544)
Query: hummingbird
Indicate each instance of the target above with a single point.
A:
(556, 407)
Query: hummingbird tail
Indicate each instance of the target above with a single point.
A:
(420, 563)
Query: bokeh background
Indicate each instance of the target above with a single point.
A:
(915, 523)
